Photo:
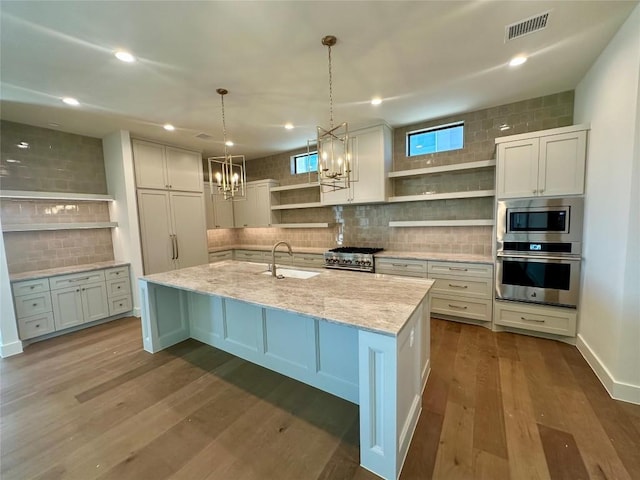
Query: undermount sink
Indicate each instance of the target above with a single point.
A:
(291, 273)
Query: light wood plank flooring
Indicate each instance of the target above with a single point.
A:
(94, 405)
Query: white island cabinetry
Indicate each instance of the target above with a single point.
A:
(372, 353)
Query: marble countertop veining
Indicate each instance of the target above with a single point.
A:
(52, 272)
(379, 303)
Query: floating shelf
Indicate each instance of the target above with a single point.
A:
(443, 223)
(441, 169)
(292, 206)
(33, 227)
(443, 196)
(302, 225)
(81, 197)
(298, 186)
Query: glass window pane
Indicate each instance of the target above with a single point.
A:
(434, 140)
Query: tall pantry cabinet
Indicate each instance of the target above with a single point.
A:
(169, 187)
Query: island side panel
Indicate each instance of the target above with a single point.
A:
(391, 379)
(164, 316)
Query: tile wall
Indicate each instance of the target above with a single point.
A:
(368, 225)
(53, 161)
(39, 250)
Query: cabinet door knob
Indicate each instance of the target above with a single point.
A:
(77, 289)
(535, 191)
(37, 325)
(35, 304)
(32, 287)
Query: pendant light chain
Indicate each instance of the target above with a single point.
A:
(330, 91)
(224, 126)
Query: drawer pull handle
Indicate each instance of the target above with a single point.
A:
(458, 306)
(459, 269)
(531, 320)
(403, 265)
(453, 285)
(80, 279)
(307, 258)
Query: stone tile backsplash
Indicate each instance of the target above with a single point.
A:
(21, 211)
(28, 251)
(52, 162)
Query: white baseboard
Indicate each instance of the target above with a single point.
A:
(618, 390)
(136, 312)
(8, 349)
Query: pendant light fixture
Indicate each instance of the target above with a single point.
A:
(228, 174)
(334, 157)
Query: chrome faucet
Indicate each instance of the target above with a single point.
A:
(273, 256)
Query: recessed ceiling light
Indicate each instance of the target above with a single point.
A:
(229, 143)
(288, 126)
(12, 160)
(518, 60)
(504, 127)
(53, 124)
(23, 145)
(125, 56)
(169, 127)
(71, 101)
(376, 101)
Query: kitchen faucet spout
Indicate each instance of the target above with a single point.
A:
(273, 256)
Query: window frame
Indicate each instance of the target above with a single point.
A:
(435, 128)
(294, 163)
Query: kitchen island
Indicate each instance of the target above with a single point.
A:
(362, 337)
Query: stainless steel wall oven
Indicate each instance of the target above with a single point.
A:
(539, 245)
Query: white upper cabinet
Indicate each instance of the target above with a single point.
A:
(255, 209)
(166, 168)
(548, 163)
(371, 149)
(219, 211)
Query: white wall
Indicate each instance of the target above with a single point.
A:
(10, 344)
(118, 165)
(609, 325)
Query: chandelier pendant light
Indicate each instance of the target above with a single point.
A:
(227, 174)
(334, 156)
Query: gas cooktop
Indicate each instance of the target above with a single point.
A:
(351, 258)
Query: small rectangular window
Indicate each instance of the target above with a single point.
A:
(435, 139)
(304, 163)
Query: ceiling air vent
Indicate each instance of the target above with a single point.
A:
(204, 136)
(526, 26)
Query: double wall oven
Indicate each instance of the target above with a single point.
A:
(539, 250)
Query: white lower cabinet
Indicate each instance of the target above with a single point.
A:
(220, 256)
(539, 318)
(64, 301)
(257, 256)
(462, 290)
(314, 260)
(81, 303)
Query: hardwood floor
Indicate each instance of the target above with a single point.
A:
(94, 405)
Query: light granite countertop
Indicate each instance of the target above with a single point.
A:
(379, 303)
(52, 272)
(445, 257)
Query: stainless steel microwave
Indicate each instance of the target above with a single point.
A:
(541, 220)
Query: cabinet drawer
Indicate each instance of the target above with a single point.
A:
(559, 321)
(31, 286)
(308, 260)
(117, 288)
(75, 279)
(460, 269)
(34, 304)
(474, 287)
(115, 273)
(398, 266)
(36, 325)
(119, 304)
(458, 307)
(249, 256)
(220, 256)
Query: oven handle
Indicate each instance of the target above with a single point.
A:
(576, 258)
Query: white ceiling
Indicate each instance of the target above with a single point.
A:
(426, 59)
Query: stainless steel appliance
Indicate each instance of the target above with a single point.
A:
(539, 245)
(351, 258)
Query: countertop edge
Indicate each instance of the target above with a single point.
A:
(54, 272)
